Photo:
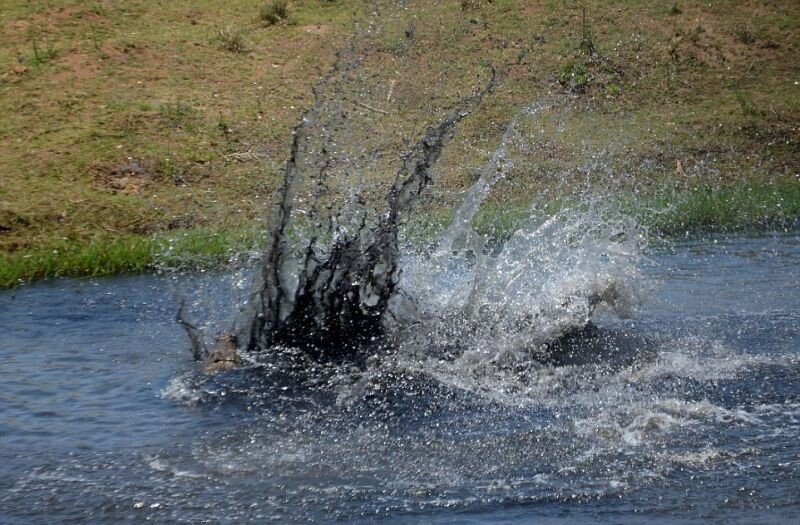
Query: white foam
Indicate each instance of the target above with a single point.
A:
(182, 390)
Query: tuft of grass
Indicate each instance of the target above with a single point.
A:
(41, 55)
(274, 12)
(749, 107)
(176, 113)
(232, 39)
(744, 35)
(587, 44)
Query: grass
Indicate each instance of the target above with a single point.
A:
(41, 55)
(665, 212)
(274, 12)
(232, 39)
(186, 250)
(120, 255)
(207, 126)
(743, 206)
(128, 121)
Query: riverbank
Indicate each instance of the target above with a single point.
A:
(734, 210)
(128, 126)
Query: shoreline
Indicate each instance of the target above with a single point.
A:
(736, 210)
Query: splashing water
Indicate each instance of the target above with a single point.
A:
(336, 294)
(462, 378)
(341, 291)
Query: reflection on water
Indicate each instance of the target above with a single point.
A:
(102, 419)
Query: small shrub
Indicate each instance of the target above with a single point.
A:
(274, 12)
(744, 35)
(694, 34)
(675, 9)
(176, 113)
(574, 76)
(232, 39)
(587, 38)
(466, 5)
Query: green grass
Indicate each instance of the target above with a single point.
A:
(180, 250)
(741, 206)
(127, 254)
(273, 12)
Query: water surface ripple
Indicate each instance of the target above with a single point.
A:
(103, 418)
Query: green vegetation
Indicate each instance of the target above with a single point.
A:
(742, 206)
(40, 56)
(124, 254)
(186, 250)
(124, 123)
(274, 12)
(232, 39)
(574, 76)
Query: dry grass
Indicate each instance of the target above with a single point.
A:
(135, 126)
(232, 39)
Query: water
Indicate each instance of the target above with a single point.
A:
(104, 418)
(330, 290)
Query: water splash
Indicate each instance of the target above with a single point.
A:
(335, 282)
(334, 297)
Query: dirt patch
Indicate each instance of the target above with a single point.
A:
(78, 65)
(316, 29)
(699, 35)
(132, 175)
(10, 221)
(128, 177)
(15, 74)
(123, 52)
(50, 21)
(67, 15)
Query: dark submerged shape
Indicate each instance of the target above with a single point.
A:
(342, 297)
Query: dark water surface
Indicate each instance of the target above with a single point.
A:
(103, 418)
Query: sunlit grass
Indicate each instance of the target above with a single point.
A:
(210, 128)
(125, 254)
(182, 250)
(740, 206)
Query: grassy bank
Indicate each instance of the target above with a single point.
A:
(178, 250)
(128, 123)
(740, 207)
(668, 213)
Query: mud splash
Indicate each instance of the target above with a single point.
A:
(335, 282)
(338, 297)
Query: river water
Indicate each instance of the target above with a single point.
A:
(104, 418)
